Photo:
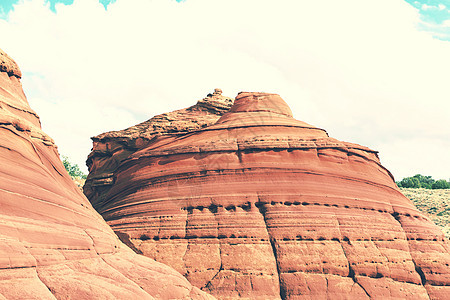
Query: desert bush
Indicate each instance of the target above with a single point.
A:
(421, 181)
(73, 169)
(441, 184)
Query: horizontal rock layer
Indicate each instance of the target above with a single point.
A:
(262, 206)
(53, 244)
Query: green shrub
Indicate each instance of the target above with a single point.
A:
(426, 182)
(409, 182)
(441, 184)
(73, 169)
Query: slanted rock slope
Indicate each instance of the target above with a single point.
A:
(262, 206)
(53, 244)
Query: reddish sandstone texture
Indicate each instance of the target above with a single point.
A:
(53, 244)
(262, 206)
(110, 149)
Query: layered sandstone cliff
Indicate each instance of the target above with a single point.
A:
(110, 149)
(262, 206)
(53, 244)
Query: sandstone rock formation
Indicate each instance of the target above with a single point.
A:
(262, 206)
(53, 245)
(111, 148)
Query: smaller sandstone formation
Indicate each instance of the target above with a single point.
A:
(110, 149)
(53, 244)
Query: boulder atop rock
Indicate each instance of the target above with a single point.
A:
(262, 206)
(53, 243)
(204, 113)
(8, 65)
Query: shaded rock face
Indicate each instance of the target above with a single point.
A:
(112, 148)
(262, 206)
(53, 244)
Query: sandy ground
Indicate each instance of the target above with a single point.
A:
(434, 203)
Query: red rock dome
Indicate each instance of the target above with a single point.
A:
(53, 244)
(110, 149)
(262, 206)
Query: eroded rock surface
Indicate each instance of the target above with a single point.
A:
(53, 244)
(110, 149)
(262, 206)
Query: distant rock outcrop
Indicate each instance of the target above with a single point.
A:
(262, 206)
(53, 244)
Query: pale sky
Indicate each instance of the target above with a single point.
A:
(374, 73)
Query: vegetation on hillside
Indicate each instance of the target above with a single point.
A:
(73, 169)
(78, 177)
(426, 182)
(433, 203)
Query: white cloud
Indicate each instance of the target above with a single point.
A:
(440, 31)
(360, 69)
